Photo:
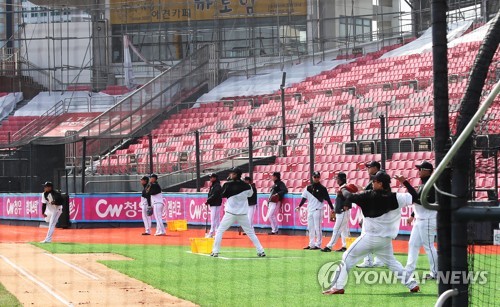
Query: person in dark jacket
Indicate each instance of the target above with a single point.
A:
(252, 200)
(424, 228)
(341, 227)
(237, 193)
(145, 206)
(278, 192)
(214, 200)
(52, 202)
(370, 261)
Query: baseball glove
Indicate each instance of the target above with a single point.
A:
(149, 211)
(352, 188)
(274, 198)
(333, 216)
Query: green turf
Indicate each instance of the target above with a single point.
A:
(7, 299)
(284, 278)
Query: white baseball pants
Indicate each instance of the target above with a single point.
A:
(146, 219)
(158, 211)
(214, 219)
(382, 248)
(251, 213)
(422, 233)
(228, 220)
(340, 229)
(272, 212)
(53, 213)
(314, 218)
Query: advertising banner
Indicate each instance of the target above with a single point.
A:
(177, 206)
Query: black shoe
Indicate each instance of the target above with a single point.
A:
(315, 248)
(307, 247)
(244, 234)
(261, 254)
(326, 249)
(272, 233)
(214, 255)
(343, 249)
(146, 234)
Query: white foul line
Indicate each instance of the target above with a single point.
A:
(78, 269)
(33, 279)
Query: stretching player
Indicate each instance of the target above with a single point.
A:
(382, 211)
(315, 194)
(252, 201)
(153, 190)
(424, 226)
(236, 210)
(370, 261)
(341, 227)
(51, 208)
(278, 192)
(146, 206)
(214, 200)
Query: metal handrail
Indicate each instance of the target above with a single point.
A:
(454, 149)
(179, 171)
(445, 296)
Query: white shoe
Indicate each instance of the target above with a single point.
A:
(378, 264)
(365, 265)
(44, 241)
(209, 235)
(160, 234)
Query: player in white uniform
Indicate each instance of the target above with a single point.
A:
(341, 227)
(252, 201)
(145, 206)
(236, 210)
(154, 191)
(315, 194)
(214, 201)
(51, 208)
(370, 261)
(424, 226)
(277, 194)
(382, 211)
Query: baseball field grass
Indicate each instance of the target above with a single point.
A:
(7, 299)
(238, 278)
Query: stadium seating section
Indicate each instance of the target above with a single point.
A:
(399, 87)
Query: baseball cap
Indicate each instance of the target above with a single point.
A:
(373, 164)
(341, 176)
(382, 177)
(248, 178)
(425, 165)
(48, 184)
(316, 174)
(236, 170)
(154, 176)
(145, 178)
(213, 175)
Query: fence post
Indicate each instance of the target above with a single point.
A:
(250, 152)
(283, 120)
(351, 122)
(198, 171)
(84, 154)
(151, 165)
(311, 149)
(382, 140)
